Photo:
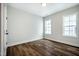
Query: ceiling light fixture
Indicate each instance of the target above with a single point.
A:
(43, 4)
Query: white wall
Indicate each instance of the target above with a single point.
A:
(23, 26)
(57, 27)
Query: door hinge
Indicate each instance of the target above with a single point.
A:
(6, 18)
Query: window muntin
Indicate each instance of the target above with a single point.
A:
(47, 26)
(69, 23)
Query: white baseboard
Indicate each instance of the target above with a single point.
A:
(20, 42)
(76, 45)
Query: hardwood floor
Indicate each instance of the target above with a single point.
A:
(43, 47)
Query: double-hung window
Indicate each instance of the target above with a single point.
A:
(47, 26)
(69, 25)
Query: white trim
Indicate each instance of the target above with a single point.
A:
(75, 36)
(3, 38)
(20, 42)
(46, 27)
(1, 29)
(76, 45)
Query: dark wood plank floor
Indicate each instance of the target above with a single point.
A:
(43, 47)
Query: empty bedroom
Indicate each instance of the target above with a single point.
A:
(40, 29)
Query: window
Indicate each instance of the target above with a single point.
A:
(47, 26)
(69, 23)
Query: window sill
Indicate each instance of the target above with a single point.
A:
(47, 34)
(70, 36)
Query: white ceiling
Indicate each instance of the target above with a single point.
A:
(38, 9)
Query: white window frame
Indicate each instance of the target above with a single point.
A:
(69, 35)
(48, 27)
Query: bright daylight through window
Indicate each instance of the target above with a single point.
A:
(47, 26)
(69, 23)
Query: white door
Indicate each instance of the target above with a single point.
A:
(0, 29)
(3, 28)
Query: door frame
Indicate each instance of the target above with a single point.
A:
(3, 38)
